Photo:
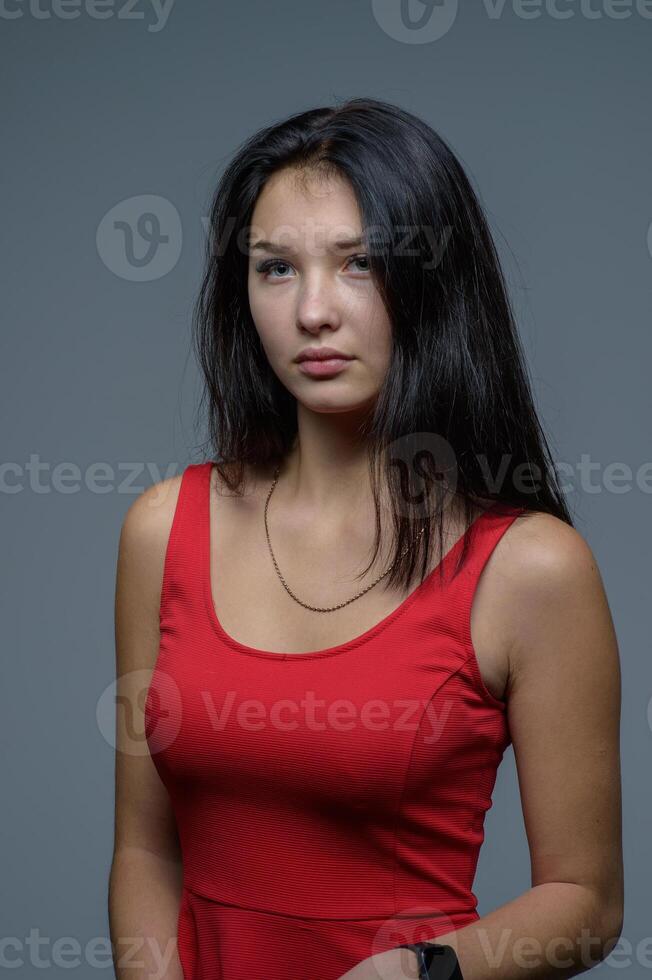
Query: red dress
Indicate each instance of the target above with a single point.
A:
(330, 804)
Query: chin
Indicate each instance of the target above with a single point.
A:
(335, 404)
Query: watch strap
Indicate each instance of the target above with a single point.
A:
(436, 962)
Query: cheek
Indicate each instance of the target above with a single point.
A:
(271, 321)
(376, 342)
(271, 340)
(255, 303)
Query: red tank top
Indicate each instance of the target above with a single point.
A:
(330, 804)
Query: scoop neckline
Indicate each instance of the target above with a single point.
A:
(331, 651)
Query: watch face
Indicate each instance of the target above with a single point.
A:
(445, 960)
(442, 959)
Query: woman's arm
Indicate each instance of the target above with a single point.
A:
(564, 717)
(145, 878)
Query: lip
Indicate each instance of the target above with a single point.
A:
(321, 354)
(323, 367)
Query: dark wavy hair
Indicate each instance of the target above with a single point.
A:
(456, 404)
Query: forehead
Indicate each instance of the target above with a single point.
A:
(296, 206)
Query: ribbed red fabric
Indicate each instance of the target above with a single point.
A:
(330, 804)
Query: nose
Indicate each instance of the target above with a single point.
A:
(317, 305)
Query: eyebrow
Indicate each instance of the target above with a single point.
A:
(342, 243)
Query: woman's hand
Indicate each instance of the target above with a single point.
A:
(393, 964)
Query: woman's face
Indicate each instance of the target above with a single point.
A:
(309, 290)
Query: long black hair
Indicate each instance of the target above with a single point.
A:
(455, 409)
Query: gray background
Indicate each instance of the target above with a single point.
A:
(548, 116)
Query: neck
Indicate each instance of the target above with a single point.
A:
(326, 473)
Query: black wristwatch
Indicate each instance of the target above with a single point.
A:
(436, 962)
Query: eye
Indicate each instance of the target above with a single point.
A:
(268, 265)
(361, 258)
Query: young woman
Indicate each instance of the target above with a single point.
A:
(366, 592)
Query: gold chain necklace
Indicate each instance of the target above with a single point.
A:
(286, 586)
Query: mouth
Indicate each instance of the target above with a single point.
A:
(324, 367)
(322, 354)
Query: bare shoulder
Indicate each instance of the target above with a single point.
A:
(547, 558)
(551, 584)
(142, 546)
(148, 521)
(546, 553)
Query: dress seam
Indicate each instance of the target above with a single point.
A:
(378, 917)
(406, 776)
